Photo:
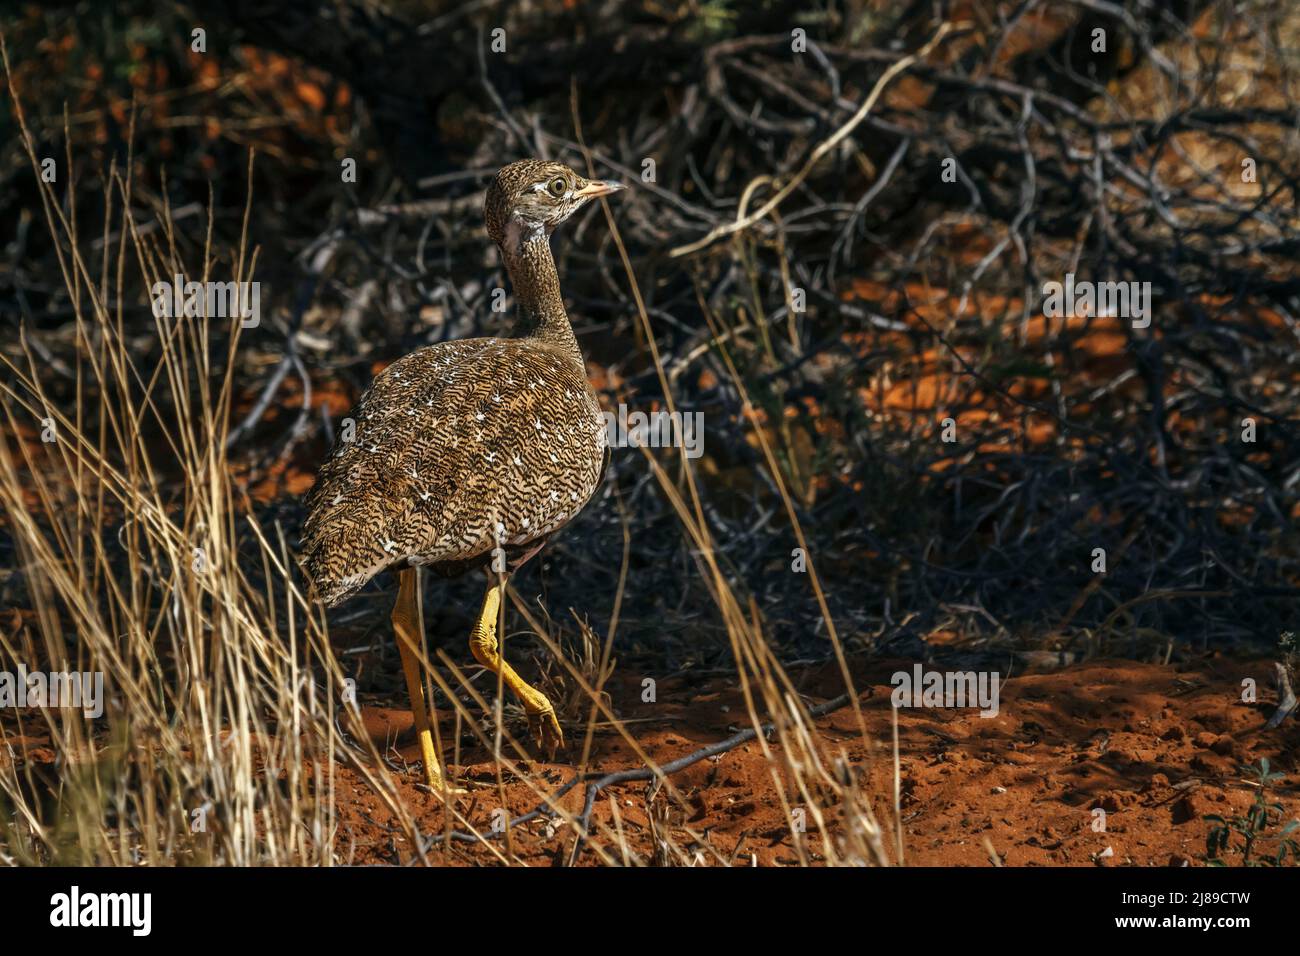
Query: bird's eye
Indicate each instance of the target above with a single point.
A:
(558, 187)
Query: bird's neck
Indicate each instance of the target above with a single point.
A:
(527, 255)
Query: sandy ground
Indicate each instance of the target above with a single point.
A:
(1155, 746)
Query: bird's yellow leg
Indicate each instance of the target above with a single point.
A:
(409, 628)
(483, 645)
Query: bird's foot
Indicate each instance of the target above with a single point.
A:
(545, 728)
(438, 786)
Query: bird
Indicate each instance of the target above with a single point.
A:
(469, 453)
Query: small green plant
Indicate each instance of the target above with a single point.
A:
(1253, 828)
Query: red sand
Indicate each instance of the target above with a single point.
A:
(1157, 747)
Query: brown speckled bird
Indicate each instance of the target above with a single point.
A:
(469, 454)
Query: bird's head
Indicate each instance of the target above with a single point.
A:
(528, 199)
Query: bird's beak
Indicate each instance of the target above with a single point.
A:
(598, 187)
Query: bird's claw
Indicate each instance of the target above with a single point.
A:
(545, 729)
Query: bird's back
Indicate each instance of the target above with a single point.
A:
(458, 448)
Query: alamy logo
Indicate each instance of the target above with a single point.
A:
(103, 909)
(656, 430)
(216, 300)
(923, 688)
(55, 689)
(1125, 300)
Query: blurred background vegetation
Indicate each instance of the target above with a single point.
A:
(923, 295)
